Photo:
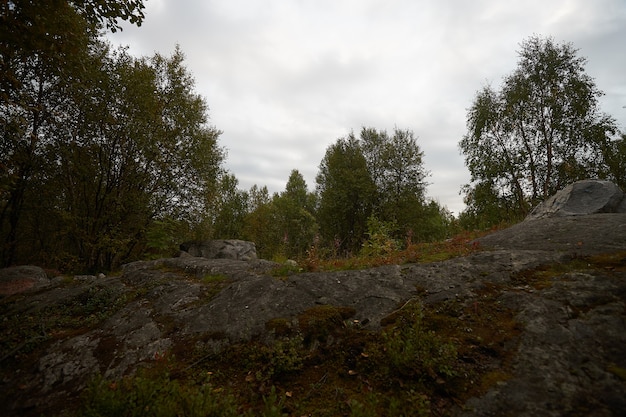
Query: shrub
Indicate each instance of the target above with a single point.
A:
(412, 351)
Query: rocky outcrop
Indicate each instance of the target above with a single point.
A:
(582, 198)
(21, 278)
(582, 235)
(568, 356)
(221, 249)
(565, 354)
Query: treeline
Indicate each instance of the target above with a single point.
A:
(367, 187)
(107, 158)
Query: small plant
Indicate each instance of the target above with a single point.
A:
(317, 323)
(285, 356)
(379, 242)
(214, 278)
(157, 396)
(265, 363)
(412, 351)
(314, 256)
(409, 403)
(286, 269)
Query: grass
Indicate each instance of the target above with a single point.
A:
(459, 245)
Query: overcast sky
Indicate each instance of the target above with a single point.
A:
(284, 79)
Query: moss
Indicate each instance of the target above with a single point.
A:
(213, 278)
(318, 322)
(618, 371)
(492, 378)
(286, 270)
(279, 327)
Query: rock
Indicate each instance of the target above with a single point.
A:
(84, 278)
(582, 235)
(17, 279)
(567, 356)
(221, 249)
(582, 198)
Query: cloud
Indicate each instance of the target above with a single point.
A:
(285, 79)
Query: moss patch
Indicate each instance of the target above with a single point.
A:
(618, 371)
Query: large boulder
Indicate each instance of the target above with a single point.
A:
(582, 198)
(221, 249)
(17, 279)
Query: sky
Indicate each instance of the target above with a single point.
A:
(284, 79)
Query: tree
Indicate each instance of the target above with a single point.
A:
(541, 131)
(138, 150)
(614, 155)
(294, 216)
(283, 225)
(33, 108)
(230, 208)
(260, 223)
(346, 195)
(43, 46)
(126, 144)
(396, 166)
(54, 31)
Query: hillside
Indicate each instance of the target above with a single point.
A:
(531, 323)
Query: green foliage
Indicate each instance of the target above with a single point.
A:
(45, 48)
(230, 206)
(125, 136)
(487, 208)
(396, 166)
(163, 236)
(156, 396)
(413, 351)
(541, 131)
(347, 194)
(294, 216)
(283, 357)
(614, 154)
(260, 223)
(107, 12)
(214, 278)
(286, 269)
(284, 225)
(412, 403)
(378, 175)
(379, 242)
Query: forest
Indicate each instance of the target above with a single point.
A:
(107, 158)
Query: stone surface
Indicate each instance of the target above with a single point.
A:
(21, 278)
(221, 249)
(583, 235)
(573, 328)
(582, 198)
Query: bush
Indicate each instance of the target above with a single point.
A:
(412, 351)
